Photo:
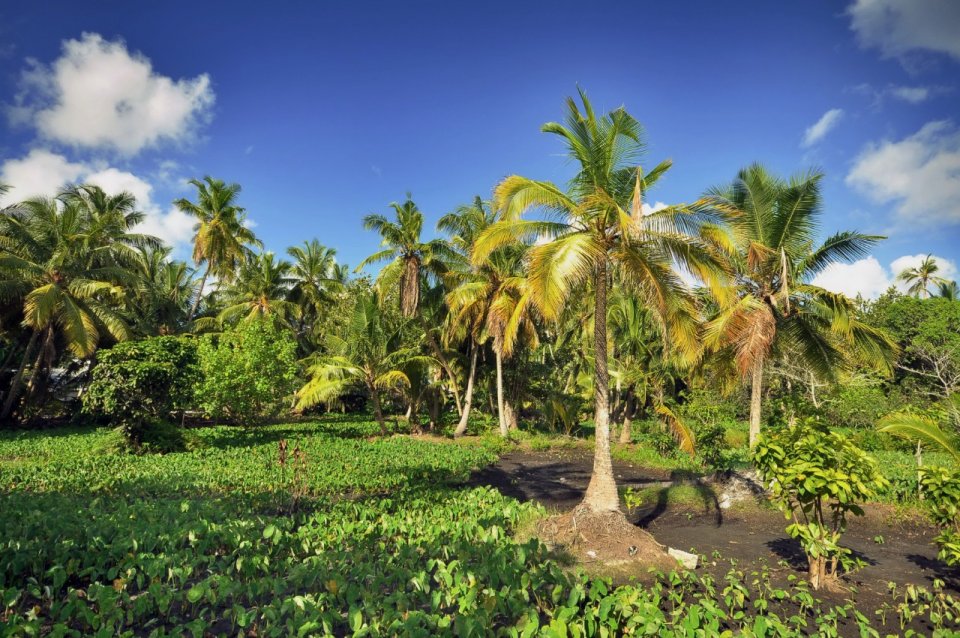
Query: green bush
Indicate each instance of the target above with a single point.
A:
(857, 405)
(818, 477)
(249, 372)
(942, 489)
(139, 384)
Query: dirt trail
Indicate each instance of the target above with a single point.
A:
(894, 549)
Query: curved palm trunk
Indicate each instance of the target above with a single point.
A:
(756, 395)
(504, 430)
(438, 353)
(17, 382)
(601, 493)
(468, 397)
(377, 408)
(196, 302)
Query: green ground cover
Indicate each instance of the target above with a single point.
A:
(386, 541)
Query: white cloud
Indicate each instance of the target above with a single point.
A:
(647, 209)
(897, 27)
(863, 277)
(867, 277)
(43, 173)
(98, 95)
(920, 172)
(39, 173)
(911, 94)
(948, 269)
(817, 131)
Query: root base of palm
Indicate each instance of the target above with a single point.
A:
(605, 539)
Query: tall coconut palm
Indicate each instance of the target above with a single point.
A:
(494, 302)
(221, 239)
(411, 260)
(463, 226)
(370, 352)
(597, 225)
(920, 277)
(69, 287)
(777, 312)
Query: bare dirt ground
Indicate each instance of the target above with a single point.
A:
(895, 547)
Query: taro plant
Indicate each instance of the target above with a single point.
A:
(817, 478)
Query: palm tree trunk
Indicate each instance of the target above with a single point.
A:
(196, 303)
(510, 415)
(601, 493)
(626, 436)
(17, 382)
(438, 353)
(37, 372)
(468, 397)
(756, 395)
(504, 431)
(377, 409)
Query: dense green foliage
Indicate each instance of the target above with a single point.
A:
(817, 478)
(139, 383)
(199, 544)
(247, 372)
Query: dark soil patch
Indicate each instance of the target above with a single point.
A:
(749, 535)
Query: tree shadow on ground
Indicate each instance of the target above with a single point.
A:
(647, 514)
(950, 575)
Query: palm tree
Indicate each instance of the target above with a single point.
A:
(463, 226)
(163, 294)
(261, 290)
(948, 290)
(777, 313)
(494, 301)
(922, 428)
(221, 239)
(410, 260)
(598, 224)
(371, 352)
(63, 270)
(921, 276)
(316, 277)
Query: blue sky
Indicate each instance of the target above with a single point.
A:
(327, 111)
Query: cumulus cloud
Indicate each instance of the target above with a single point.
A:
(897, 27)
(863, 277)
(98, 95)
(42, 172)
(867, 277)
(647, 209)
(819, 129)
(920, 172)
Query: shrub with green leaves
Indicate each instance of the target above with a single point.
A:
(941, 487)
(137, 384)
(817, 478)
(248, 372)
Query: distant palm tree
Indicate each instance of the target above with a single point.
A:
(411, 260)
(949, 290)
(164, 291)
(921, 276)
(463, 226)
(770, 244)
(221, 240)
(260, 291)
(370, 352)
(318, 279)
(598, 225)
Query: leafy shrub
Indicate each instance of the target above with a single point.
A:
(942, 489)
(712, 445)
(817, 477)
(139, 384)
(247, 372)
(857, 405)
